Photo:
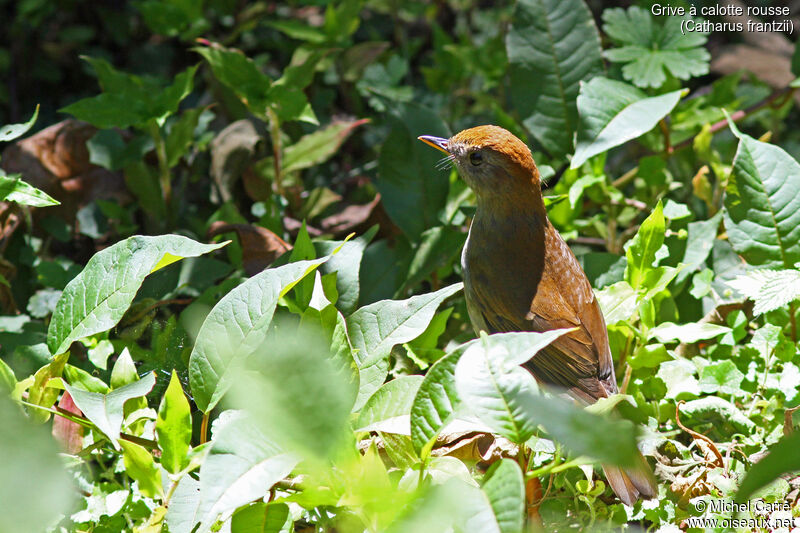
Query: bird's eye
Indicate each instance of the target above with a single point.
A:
(476, 158)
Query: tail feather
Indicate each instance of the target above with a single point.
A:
(630, 484)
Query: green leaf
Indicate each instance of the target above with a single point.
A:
(437, 247)
(174, 427)
(129, 100)
(9, 132)
(436, 400)
(762, 209)
(181, 135)
(240, 74)
(298, 394)
(242, 466)
(13, 189)
(97, 298)
(236, 327)
(346, 263)
(679, 377)
(35, 488)
(141, 467)
(495, 390)
(505, 489)
(782, 458)
(612, 113)
(641, 250)
(505, 397)
(650, 50)
(721, 377)
(769, 289)
(376, 328)
(552, 45)
(649, 356)
(718, 412)
(388, 409)
(698, 245)
(412, 191)
(106, 410)
(686, 333)
(319, 146)
(261, 518)
(618, 302)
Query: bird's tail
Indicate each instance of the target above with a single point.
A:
(632, 483)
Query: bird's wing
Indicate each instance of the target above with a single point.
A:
(580, 360)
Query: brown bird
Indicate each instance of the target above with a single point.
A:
(520, 275)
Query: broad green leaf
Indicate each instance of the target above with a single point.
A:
(40, 393)
(718, 412)
(129, 100)
(496, 391)
(782, 458)
(762, 209)
(9, 132)
(388, 409)
(412, 191)
(435, 401)
(174, 427)
(552, 45)
(770, 289)
(242, 466)
(240, 74)
(612, 113)
(679, 377)
(261, 517)
(698, 245)
(437, 247)
(124, 371)
(505, 490)
(652, 47)
(506, 398)
(319, 146)
(346, 263)
(297, 393)
(641, 250)
(141, 467)
(721, 377)
(236, 327)
(184, 506)
(13, 189)
(686, 333)
(35, 488)
(97, 298)
(374, 329)
(181, 135)
(618, 302)
(106, 410)
(649, 356)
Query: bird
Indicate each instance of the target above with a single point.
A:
(520, 275)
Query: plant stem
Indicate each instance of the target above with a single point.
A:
(164, 175)
(793, 320)
(275, 137)
(204, 429)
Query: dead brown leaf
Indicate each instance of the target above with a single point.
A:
(260, 246)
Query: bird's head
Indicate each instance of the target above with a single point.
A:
(492, 161)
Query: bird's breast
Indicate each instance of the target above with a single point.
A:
(503, 261)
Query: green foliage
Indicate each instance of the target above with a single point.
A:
(335, 383)
(651, 48)
(556, 65)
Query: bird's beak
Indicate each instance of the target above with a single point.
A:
(436, 142)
